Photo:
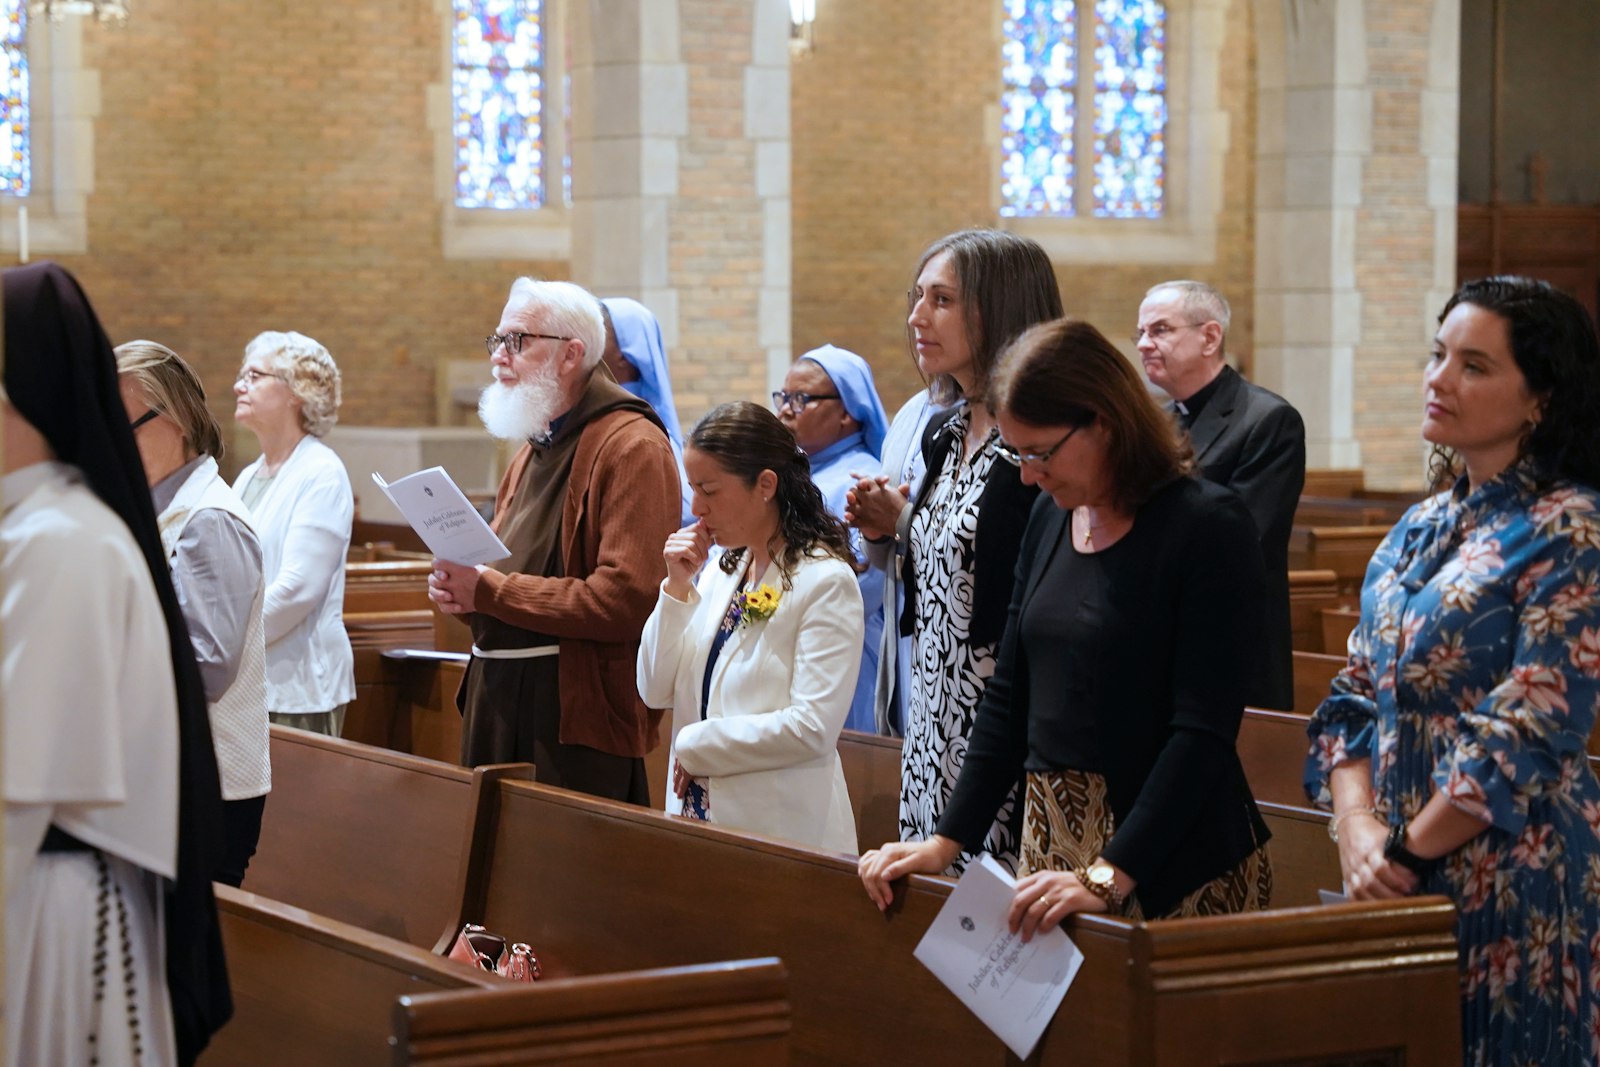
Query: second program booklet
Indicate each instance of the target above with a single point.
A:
(443, 517)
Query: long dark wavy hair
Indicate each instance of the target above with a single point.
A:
(746, 439)
(1554, 343)
(1007, 284)
(1065, 373)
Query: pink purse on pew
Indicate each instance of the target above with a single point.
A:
(477, 947)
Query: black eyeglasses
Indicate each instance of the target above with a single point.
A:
(1038, 459)
(142, 419)
(513, 341)
(800, 401)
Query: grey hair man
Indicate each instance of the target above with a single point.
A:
(1244, 437)
(585, 506)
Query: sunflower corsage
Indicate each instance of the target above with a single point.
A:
(758, 604)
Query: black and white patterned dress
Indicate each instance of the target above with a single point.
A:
(948, 672)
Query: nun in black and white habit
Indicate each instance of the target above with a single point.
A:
(110, 779)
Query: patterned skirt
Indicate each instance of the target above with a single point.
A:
(1068, 822)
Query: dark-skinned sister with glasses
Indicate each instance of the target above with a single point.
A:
(1122, 675)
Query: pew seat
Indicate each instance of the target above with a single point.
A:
(608, 887)
(366, 836)
(315, 992)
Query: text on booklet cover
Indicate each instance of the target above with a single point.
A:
(443, 517)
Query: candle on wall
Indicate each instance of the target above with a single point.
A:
(22, 233)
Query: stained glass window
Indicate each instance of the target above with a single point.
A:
(1060, 106)
(1130, 108)
(15, 169)
(498, 84)
(1036, 108)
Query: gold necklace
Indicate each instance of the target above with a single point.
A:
(1088, 531)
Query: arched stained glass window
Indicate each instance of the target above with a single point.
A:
(499, 94)
(1060, 106)
(15, 162)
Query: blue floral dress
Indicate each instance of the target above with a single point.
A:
(1475, 670)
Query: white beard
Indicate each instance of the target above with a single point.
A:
(523, 411)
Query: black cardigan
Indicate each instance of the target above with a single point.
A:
(1002, 517)
(1164, 690)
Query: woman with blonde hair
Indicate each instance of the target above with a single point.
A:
(299, 496)
(216, 569)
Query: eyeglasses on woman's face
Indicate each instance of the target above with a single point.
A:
(1038, 459)
(249, 376)
(513, 341)
(798, 401)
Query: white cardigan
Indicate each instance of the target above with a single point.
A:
(303, 519)
(780, 694)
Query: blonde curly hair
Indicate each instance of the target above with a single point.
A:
(308, 370)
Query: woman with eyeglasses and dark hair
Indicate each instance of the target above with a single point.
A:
(955, 544)
(1127, 655)
(757, 653)
(216, 569)
(1452, 748)
(299, 495)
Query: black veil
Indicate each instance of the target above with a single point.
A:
(60, 374)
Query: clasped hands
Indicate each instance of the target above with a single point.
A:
(1041, 901)
(873, 506)
(1367, 874)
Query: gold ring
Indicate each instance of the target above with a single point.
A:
(1044, 898)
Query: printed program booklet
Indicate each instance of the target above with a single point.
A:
(443, 517)
(1014, 989)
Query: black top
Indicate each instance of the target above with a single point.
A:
(1002, 516)
(1133, 663)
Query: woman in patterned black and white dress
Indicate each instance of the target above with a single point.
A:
(957, 541)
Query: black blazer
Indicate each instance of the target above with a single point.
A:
(1163, 684)
(1002, 516)
(1254, 442)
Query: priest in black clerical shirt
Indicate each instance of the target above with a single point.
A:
(1244, 436)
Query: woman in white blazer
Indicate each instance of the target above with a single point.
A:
(757, 655)
(299, 498)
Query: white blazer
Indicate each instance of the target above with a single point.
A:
(780, 694)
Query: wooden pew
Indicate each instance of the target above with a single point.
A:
(709, 1015)
(1309, 593)
(365, 836)
(1345, 550)
(1345, 511)
(1346, 482)
(601, 886)
(1313, 673)
(1336, 626)
(313, 991)
(872, 774)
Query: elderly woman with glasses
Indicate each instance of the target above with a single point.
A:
(215, 558)
(830, 403)
(1121, 681)
(299, 495)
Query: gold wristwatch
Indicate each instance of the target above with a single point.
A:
(1100, 878)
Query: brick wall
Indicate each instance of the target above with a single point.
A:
(891, 151)
(269, 166)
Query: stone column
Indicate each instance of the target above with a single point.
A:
(680, 154)
(1314, 131)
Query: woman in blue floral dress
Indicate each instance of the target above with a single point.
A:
(1453, 746)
